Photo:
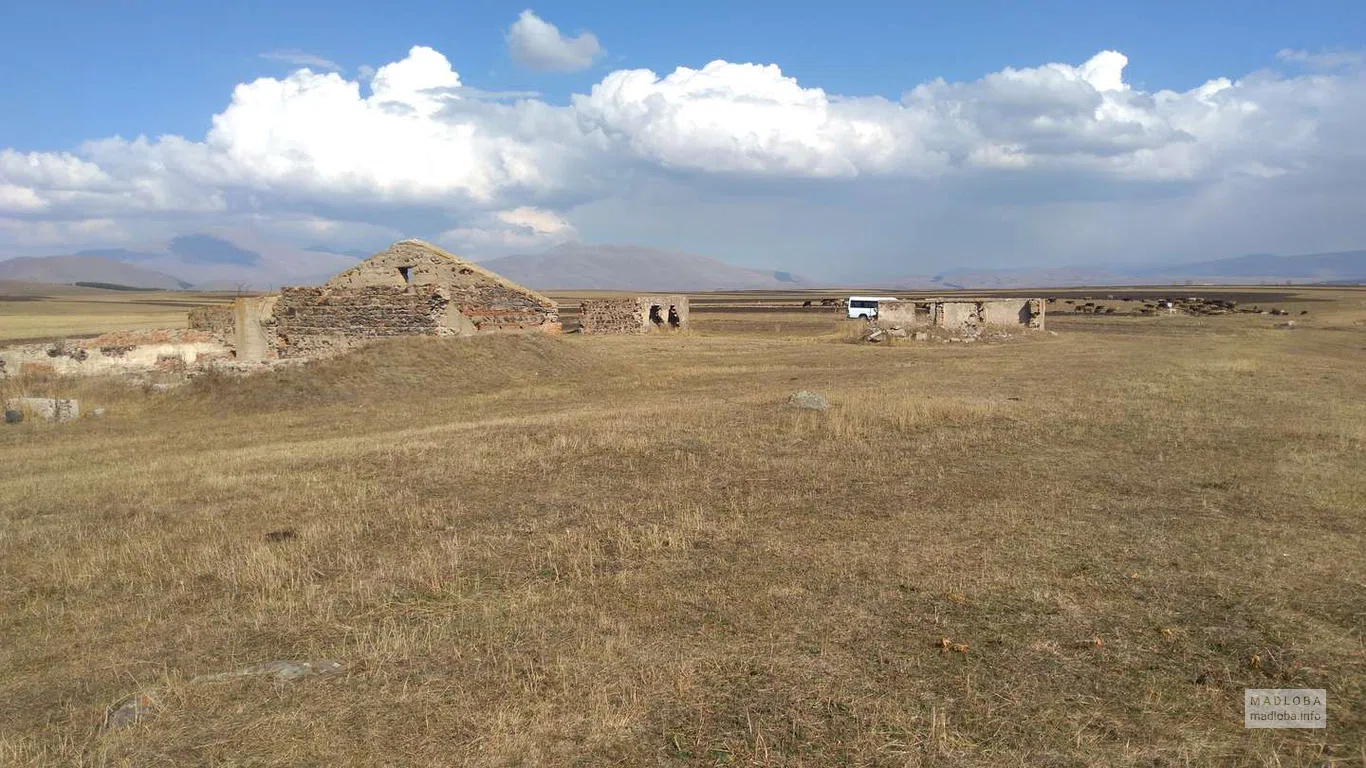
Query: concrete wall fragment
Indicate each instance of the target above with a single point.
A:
(905, 313)
(253, 327)
(962, 316)
(958, 315)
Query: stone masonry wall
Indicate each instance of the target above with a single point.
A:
(632, 315)
(611, 316)
(492, 306)
(215, 318)
(319, 322)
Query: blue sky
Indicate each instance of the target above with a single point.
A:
(132, 68)
(80, 72)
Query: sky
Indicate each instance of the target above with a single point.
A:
(848, 140)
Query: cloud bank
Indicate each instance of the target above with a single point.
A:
(1040, 164)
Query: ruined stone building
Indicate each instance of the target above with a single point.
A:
(637, 314)
(411, 288)
(963, 315)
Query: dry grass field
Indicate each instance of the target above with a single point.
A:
(629, 551)
(35, 311)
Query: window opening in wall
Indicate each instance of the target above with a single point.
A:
(655, 316)
(407, 274)
(673, 316)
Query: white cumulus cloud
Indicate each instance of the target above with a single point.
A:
(537, 44)
(411, 147)
(523, 228)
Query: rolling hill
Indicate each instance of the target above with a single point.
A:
(1342, 267)
(579, 266)
(73, 269)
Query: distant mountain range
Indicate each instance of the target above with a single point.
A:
(1343, 267)
(86, 269)
(577, 266)
(242, 260)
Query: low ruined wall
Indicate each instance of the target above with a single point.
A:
(606, 316)
(216, 319)
(905, 313)
(115, 353)
(1026, 313)
(318, 322)
(958, 315)
(962, 316)
(633, 315)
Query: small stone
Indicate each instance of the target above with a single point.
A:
(280, 670)
(808, 401)
(131, 711)
(47, 408)
(97, 412)
(13, 416)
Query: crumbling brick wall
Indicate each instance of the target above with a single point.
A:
(637, 314)
(492, 306)
(318, 322)
(214, 318)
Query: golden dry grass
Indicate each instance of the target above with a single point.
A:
(588, 551)
(40, 311)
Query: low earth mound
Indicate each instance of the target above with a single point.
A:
(398, 368)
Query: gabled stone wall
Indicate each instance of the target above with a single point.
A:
(487, 301)
(409, 289)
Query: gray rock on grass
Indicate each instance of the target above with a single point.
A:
(810, 401)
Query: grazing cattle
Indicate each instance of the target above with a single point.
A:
(806, 303)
